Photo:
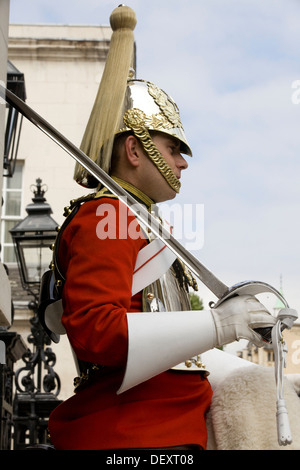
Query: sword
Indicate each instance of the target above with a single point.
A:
(215, 285)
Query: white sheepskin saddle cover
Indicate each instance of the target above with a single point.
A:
(243, 411)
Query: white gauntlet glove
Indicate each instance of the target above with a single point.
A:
(159, 341)
(237, 318)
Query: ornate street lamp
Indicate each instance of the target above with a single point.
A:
(32, 238)
(37, 385)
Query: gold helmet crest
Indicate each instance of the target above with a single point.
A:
(124, 104)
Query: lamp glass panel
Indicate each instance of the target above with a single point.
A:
(35, 258)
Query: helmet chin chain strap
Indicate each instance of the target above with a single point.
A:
(285, 320)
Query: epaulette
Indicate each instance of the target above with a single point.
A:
(76, 203)
(104, 192)
(69, 212)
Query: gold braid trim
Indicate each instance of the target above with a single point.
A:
(134, 119)
(135, 191)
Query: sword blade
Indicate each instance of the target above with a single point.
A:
(200, 271)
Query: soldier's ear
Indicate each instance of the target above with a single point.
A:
(133, 150)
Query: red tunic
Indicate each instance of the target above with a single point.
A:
(167, 410)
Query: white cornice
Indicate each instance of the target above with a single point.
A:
(58, 42)
(57, 49)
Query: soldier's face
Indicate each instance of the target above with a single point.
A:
(169, 148)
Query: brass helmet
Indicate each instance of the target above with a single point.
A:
(124, 104)
(148, 108)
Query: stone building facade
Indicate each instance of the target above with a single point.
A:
(62, 66)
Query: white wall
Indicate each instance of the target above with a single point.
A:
(5, 296)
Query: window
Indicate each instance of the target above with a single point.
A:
(270, 356)
(11, 212)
